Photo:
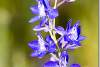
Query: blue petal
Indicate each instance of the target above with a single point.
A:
(81, 38)
(34, 54)
(34, 44)
(46, 4)
(76, 24)
(40, 40)
(60, 40)
(76, 42)
(72, 45)
(66, 38)
(53, 13)
(78, 31)
(50, 45)
(41, 54)
(73, 34)
(34, 19)
(59, 30)
(49, 39)
(35, 9)
(68, 24)
(38, 28)
(75, 65)
(51, 48)
(39, 36)
(43, 21)
(64, 55)
(38, 54)
(51, 64)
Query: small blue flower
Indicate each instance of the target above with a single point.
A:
(71, 36)
(51, 64)
(34, 44)
(51, 13)
(44, 10)
(42, 47)
(50, 45)
(62, 61)
(40, 10)
(38, 46)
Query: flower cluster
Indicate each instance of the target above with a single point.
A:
(57, 48)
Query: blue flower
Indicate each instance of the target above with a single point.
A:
(51, 64)
(40, 10)
(44, 10)
(51, 13)
(50, 45)
(62, 61)
(38, 46)
(70, 38)
(41, 47)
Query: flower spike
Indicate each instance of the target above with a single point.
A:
(57, 48)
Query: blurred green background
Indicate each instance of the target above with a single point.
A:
(16, 32)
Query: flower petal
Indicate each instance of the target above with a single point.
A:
(71, 46)
(49, 39)
(76, 24)
(38, 28)
(75, 65)
(64, 57)
(68, 24)
(34, 54)
(60, 30)
(41, 42)
(66, 38)
(34, 45)
(38, 54)
(34, 19)
(73, 33)
(43, 21)
(51, 64)
(47, 28)
(78, 31)
(81, 38)
(41, 54)
(46, 4)
(51, 48)
(53, 13)
(34, 9)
